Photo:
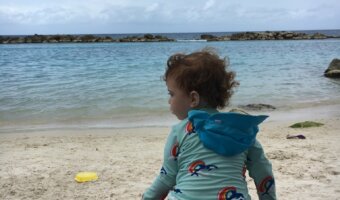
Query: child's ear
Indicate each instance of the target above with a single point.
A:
(195, 99)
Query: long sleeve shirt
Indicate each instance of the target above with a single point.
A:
(191, 171)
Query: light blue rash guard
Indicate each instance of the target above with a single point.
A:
(206, 157)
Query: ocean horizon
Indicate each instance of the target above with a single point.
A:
(104, 85)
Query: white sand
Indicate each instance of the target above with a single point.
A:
(43, 164)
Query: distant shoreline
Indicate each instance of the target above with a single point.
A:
(91, 38)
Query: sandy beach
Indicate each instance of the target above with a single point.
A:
(42, 164)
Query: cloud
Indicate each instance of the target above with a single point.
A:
(73, 13)
(124, 11)
(152, 7)
(40, 16)
(209, 4)
(189, 15)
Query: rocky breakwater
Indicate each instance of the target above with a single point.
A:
(146, 38)
(79, 39)
(268, 35)
(214, 38)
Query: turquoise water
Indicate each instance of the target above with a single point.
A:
(119, 84)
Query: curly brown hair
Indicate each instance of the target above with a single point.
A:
(204, 72)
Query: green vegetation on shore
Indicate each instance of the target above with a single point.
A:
(306, 124)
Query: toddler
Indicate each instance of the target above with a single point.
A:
(207, 153)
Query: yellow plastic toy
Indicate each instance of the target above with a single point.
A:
(82, 177)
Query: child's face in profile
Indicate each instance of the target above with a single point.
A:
(179, 100)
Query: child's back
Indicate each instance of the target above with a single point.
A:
(207, 154)
(199, 172)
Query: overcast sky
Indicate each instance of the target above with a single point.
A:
(159, 16)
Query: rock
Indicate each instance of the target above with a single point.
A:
(318, 36)
(53, 41)
(146, 38)
(208, 37)
(267, 35)
(237, 110)
(77, 39)
(275, 35)
(333, 70)
(333, 74)
(224, 38)
(108, 39)
(66, 38)
(288, 35)
(306, 124)
(88, 38)
(15, 40)
(258, 107)
(149, 36)
(36, 38)
(243, 36)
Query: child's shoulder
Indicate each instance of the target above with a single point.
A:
(180, 126)
(181, 129)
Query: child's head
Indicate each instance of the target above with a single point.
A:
(197, 80)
